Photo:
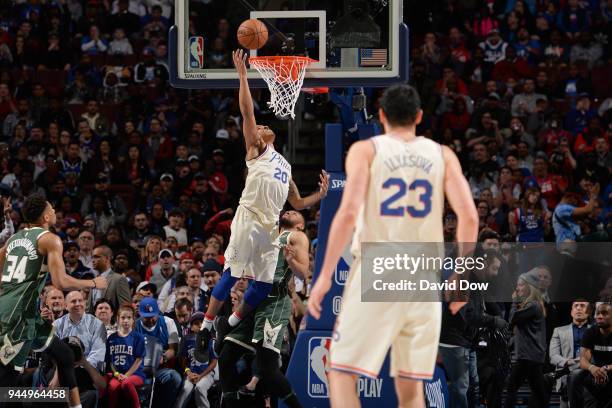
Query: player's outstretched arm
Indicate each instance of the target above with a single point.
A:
(51, 245)
(358, 163)
(298, 202)
(249, 126)
(296, 254)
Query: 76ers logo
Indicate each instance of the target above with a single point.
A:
(196, 52)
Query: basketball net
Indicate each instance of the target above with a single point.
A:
(284, 76)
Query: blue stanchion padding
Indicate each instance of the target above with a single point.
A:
(436, 390)
(333, 148)
(308, 375)
(367, 131)
(331, 302)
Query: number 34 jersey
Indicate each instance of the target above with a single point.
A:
(405, 196)
(266, 186)
(23, 279)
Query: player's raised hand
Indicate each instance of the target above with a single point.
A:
(323, 183)
(101, 282)
(317, 294)
(239, 57)
(7, 206)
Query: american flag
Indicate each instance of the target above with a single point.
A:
(372, 57)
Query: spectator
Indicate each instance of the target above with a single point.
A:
(511, 66)
(528, 316)
(74, 266)
(181, 313)
(86, 327)
(152, 323)
(120, 44)
(586, 50)
(111, 204)
(93, 43)
(531, 221)
(524, 104)
(125, 353)
(567, 214)
(96, 120)
(117, 291)
(104, 311)
(163, 271)
(596, 357)
(175, 227)
(578, 118)
(140, 232)
(551, 186)
(199, 376)
(494, 47)
(146, 289)
(86, 244)
(54, 301)
(124, 18)
(564, 350)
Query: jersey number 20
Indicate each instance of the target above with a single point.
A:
(16, 268)
(281, 175)
(386, 208)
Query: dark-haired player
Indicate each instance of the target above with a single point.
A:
(264, 331)
(394, 192)
(25, 259)
(251, 252)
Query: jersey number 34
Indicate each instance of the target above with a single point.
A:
(15, 269)
(387, 207)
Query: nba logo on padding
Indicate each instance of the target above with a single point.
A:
(318, 367)
(196, 52)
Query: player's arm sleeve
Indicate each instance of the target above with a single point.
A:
(173, 337)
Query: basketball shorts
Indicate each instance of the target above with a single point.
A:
(16, 351)
(268, 325)
(252, 252)
(410, 329)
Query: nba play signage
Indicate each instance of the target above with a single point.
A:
(310, 361)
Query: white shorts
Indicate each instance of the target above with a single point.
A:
(252, 251)
(364, 333)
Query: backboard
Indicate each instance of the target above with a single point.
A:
(356, 42)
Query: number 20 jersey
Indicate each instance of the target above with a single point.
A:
(405, 197)
(266, 186)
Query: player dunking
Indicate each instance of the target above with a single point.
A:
(25, 259)
(411, 330)
(251, 251)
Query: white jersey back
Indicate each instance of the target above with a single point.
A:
(267, 185)
(405, 197)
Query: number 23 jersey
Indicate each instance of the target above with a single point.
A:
(405, 196)
(267, 185)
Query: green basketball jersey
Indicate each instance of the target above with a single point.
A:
(282, 274)
(23, 279)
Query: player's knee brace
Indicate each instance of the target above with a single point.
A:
(256, 293)
(224, 286)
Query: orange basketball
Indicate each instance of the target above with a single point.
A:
(252, 34)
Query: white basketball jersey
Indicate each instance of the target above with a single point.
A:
(405, 197)
(267, 185)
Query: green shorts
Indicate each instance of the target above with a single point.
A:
(15, 351)
(268, 325)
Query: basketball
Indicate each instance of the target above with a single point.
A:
(252, 34)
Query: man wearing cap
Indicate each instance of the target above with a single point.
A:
(73, 227)
(113, 202)
(146, 289)
(164, 271)
(568, 212)
(74, 266)
(118, 290)
(166, 182)
(152, 323)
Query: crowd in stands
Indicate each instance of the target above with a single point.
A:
(144, 179)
